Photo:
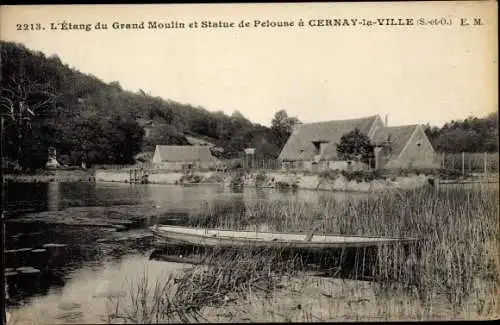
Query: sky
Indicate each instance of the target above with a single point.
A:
(414, 74)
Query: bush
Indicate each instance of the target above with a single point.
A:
(449, 174)
(191, 178)
(235, 165)
(285, 186)
(261, 177)
(392, 174)
(330, 174)
(363, 176)
(237, 179)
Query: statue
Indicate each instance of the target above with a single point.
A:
(52, 159)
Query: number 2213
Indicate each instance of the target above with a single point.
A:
(36, 26)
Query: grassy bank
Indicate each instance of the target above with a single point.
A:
(57, 175)
(455, 278)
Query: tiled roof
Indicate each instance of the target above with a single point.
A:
(185, 153)
(300, 144)
(398, 136)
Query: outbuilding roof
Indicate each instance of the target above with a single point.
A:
(185, 153)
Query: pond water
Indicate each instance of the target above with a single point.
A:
(100, 263)
(28, 197)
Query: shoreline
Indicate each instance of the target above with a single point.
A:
(49, 176)
(273, 180)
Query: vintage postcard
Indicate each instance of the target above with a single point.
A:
(249, 162)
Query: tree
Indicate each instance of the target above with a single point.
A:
(238, 116)
(470, 135)
(23, 94)
(282, 126)
(125, 137)
(354, 145)
(164, 135)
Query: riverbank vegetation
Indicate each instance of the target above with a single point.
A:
(47, 176)
(370, 175)
(456, 276)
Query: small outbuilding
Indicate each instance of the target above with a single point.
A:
(182, 158)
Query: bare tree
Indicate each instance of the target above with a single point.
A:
(21, 98)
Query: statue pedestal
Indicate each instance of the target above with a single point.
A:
(52, 163)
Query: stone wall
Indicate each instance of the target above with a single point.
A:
(165, 178)
(112, 176)
(154, 177)
(316, 182)
(276, 179)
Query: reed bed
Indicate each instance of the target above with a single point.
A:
(455, 275)
(460, 228)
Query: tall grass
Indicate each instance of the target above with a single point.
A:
(232, 274)
(457, 259)
(460, 228)
(181, 298)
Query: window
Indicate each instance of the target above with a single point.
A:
(317, 147)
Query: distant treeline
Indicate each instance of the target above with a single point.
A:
(45, 103)
(470, 135)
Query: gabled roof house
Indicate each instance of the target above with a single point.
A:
(320, 139)
(404, 146)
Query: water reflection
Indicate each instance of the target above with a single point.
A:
(53, 196)
(87, 296)
(26, 197)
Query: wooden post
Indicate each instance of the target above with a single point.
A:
(442, 161)
(463, 163)
(470, 164)
(485, 165)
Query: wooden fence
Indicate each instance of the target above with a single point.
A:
(468, 163)
(123, 167)
(465, 163)
(253, 164)
(111, 166)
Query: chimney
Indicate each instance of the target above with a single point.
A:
(296, 127)
(385, 121)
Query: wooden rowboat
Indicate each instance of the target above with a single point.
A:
(229, 238)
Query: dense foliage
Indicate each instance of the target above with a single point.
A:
(46, 103)
(282, 126)
(355, 145)
(470, 135)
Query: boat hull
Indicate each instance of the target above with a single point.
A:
(216, 238)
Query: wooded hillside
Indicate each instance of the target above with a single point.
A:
(47, 103)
